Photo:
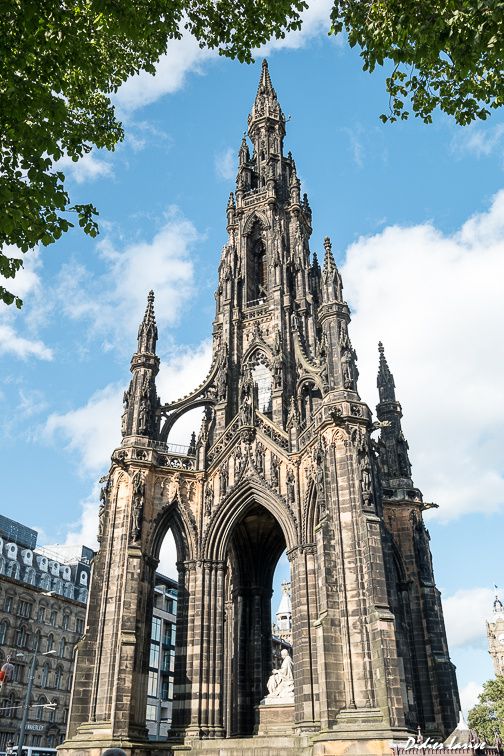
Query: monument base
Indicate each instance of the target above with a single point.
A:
(274, 719)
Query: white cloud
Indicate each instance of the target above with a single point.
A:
(25, 285)
(316, 21)
(19, 346)
(225, 167)
(465, 614)
(114, 302)
(436, 303)
(185, 56)
(83, 532)
(88, 168)
(182, 57)
(92, 432)
(480, 141)
(469, 696)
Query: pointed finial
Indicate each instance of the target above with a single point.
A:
(329, 263)
(385, 380)
(231, 201)
(147, 332)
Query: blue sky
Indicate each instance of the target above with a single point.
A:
(416, 217)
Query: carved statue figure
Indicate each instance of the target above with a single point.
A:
(137, 506)
(281, 682)
(259, 458)
(102, 511)
(291, 487)
(223, 479)
(208, 499)
(275, 472)
(143, 415)
(238, 462)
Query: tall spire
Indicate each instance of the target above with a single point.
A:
(394, 459)
(385, 381)
(266, 122)
(332, 287)
(140, 400)
(147, 332)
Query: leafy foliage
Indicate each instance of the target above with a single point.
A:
(446, 53)
(487, 717)
(60, 60)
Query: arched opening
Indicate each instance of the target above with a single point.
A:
(255, 546)
(281, 611)
(164, 640)
(310, 398)
(257, 274)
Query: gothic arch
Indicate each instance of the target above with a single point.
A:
(244, 496)
(175, 415)
(255, 217)
(171, 517)
(258, 348)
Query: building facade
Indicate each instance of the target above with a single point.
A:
(285, 460)
(159, 711)
(495, 635)
(43, 598)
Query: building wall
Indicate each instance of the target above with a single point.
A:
(35, 617)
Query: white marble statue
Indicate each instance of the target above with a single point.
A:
(281, 682)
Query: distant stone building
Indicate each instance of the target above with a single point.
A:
(495, 633)
(43, 595)
(161, 658)
(282, 628)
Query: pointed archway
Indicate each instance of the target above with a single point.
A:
(255, 546)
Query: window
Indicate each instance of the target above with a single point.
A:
(52, 712)
(50, 642)
(167, 690)
(169, 634)
(45, 676)
(154, 656)
(57, 678)
(156, 629)
(36, 740)
(8, 604)
(24, 609)
(62, 647)
(152, 687)
(21, 637)
(13, 570)
(66, 619)
(18, 674)
(151, 713)
(41, 614)
(54, 617)
(39, 711)
(3, 632)
(79, 626)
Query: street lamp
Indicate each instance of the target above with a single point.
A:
(26, 706)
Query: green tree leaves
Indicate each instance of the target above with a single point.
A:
(60, 62)
(448, 54)
(487, 717)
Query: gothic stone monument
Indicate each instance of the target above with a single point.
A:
(284, 460)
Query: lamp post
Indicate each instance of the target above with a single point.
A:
(26, 706)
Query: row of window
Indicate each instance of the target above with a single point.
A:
(24, 609)
(22, 640)
(168, 629)
(10, 708)
(166, 692)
